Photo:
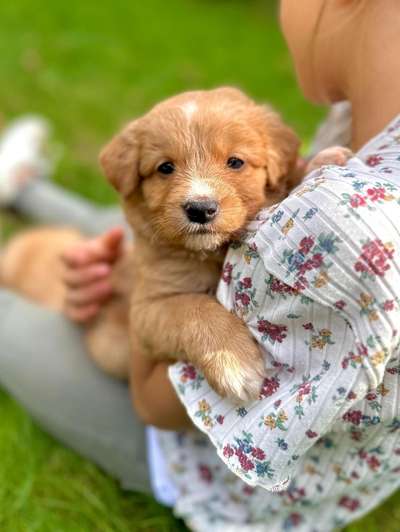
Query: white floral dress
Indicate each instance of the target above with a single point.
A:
(317, 281)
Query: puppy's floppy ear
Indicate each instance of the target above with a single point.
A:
(282, 152)
(120, 159)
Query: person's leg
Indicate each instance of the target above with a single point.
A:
(43, 364)
(24, 168)
(51, 204)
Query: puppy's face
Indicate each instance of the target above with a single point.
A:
(199, 166)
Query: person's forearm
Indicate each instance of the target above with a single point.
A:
(153, 396)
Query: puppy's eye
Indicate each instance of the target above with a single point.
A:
(166, 168)
(235, 163)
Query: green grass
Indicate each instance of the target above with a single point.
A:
(90, 66)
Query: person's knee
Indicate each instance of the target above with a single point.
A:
(31, 337)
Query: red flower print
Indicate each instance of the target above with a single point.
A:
(388, 305)
(374, 258)
(246, 282)
(308, 326)
(269, 387)
(306, 244)
(258, 453)
(248, 490)
(205, 473)
(362, 349)
(340, 304)
(371, 396)
(373, 463)
(188, 373)
(245, 462)
(275, 332)
(311, 434)
(220, 419)
(376, 193)
(281, 288)
(357, 200)
(351, 395)
(356, 435)
(295, 519)
(244, 298)
(301, 284)
(349, 503)
(227, 273)
(228, 451)
(374, 160)
(304, 389)
(307, 266)
(353, 416)
(317, 260)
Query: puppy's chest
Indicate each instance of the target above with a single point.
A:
(171, 276)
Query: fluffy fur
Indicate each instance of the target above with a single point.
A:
(177, 262)
(174, 269)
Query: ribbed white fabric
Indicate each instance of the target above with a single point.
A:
(317, 281)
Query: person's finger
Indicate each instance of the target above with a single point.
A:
(301, 165)
(75, 278)
(113, 240)
(95, 293)
(106, 247)
(82, 314)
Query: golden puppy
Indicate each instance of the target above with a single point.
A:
(191, 174)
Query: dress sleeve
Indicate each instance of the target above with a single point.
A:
(316, 289)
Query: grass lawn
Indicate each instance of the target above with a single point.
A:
(89, 66)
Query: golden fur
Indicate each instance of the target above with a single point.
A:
(175, 266)
(177, 263)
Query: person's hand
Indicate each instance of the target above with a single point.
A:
(87, 274)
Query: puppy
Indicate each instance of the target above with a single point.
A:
(191, 174)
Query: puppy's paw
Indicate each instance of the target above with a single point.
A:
(335, 155)
(237, 374)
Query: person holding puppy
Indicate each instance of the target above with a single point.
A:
(316, 281)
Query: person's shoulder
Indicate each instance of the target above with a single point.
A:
(316, 232)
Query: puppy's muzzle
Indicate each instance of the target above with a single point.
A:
(201, 211)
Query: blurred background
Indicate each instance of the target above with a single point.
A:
(88, 67)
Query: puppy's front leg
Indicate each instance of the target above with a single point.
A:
(196, 327)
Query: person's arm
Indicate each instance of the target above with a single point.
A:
(88, 266)
(153, 396)
(300, 284)
(262, 442)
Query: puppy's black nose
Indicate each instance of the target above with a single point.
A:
(201, 211)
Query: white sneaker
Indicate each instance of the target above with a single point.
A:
(22, 155)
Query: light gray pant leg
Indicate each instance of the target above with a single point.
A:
(48, 203)
(43, 364)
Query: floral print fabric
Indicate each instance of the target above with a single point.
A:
(317, 281)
